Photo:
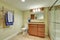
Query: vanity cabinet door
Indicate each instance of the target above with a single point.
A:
(41, 30)
(32, 29)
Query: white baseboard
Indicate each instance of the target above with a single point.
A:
(11, 36)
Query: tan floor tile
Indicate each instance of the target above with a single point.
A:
(27, 37)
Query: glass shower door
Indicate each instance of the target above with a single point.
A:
(52, 26)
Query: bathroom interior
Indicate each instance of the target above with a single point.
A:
(19, 21)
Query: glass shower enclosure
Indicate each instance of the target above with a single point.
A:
(54, 23)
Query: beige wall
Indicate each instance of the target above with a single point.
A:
(46, 20)
(26, 16)
(18, 22)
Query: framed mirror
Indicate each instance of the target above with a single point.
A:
(39, 15)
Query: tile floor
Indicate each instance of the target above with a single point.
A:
(27, 37)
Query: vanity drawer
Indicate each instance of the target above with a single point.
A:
(41, 34)
(41, 29)
(41, 25)
(32, 25)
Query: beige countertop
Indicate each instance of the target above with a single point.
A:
(36, 23)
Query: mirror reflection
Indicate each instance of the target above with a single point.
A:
(39, 15)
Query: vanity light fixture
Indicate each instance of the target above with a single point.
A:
(23, 0)
(36, 10)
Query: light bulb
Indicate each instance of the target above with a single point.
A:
(38, 10)
(34, 10)
(23, 0)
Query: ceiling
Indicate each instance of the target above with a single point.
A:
(30, 4)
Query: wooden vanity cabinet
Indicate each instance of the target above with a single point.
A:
(41, 30)
(32, 29)
(37, 30)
